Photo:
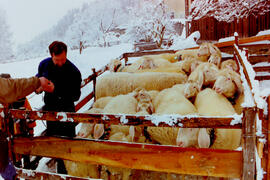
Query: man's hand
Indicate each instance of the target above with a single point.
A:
(46, 85)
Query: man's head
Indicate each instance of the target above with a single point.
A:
(58, 51)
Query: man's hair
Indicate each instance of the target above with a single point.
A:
(57, 47)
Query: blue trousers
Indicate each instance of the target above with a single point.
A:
(9, 173)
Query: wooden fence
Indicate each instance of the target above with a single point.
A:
(212, 29)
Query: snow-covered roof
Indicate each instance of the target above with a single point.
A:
(228, 10)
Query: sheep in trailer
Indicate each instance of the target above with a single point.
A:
(228, 83)
(211, 51)
(170, 101)
(190, 54)
(124, 83)
(204, 74)
(229, 64)
(210, 103)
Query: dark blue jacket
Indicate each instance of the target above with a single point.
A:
(67, 82)
(67, 89)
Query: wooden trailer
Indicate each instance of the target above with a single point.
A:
(248, 163)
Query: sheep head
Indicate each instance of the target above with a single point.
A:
(229, 64)
(225, 85)
(187, 137)
(204, 50)
(114, 65)
(209, 73)
(215, 59)
(147, 63)
(191, 90)
(144, 101)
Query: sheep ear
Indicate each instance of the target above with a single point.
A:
(132, 132)
(200, 80)
(178, 138)
(238, 84)
(212, 49)
(98, 131)
(203, 138)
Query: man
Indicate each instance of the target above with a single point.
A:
(10, 91)
(67, 87)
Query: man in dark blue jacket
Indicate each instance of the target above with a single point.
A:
(67, 87)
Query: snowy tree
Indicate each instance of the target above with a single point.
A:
(151, 21)
(228, 10)
(6, 50)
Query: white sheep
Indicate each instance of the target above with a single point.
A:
(115, 65)
(170, 101)
(124, 83)
(204, 74)
(190, 53)
(188, 65)
(230, 64)
(210, 103)
(228, 82)
(209, 49)
(102, 102)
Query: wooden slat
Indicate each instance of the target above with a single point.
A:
(37, 175)
(203, 162)
(259, 58)
(175, 121)
(87, 80)
(262, 69)
(137, 54)
(262, 78)
(249, 137)
(244, 40)
(268, 141)
(244, 67)
(84, 101)
(257, 48)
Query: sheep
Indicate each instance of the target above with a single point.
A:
(204, 74)
(170, 101)
(188, 65)
(191, 53)
(102, 102)
(147, 62)
(123, 83)
(115, 65)
(210, 103)
(144, 101)
(193, 137)
(208, 49)
(230, 64)
(122, 104)
(228, 82)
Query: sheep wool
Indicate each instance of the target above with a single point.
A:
(121, 104)
(210, 103)
(192, 53)
(102, 102)
(82, 169)
(123, 83)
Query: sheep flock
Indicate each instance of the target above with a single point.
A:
(188, 82)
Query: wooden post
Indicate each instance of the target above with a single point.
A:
(249, 143)
(94, 83)
(268, 143)
(186, 16)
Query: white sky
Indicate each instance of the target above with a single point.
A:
(28, 18)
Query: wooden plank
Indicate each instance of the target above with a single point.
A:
(262, 78)
(258, 58)
(171, 159)
(249, 137)
(37, 175)
(170, 120)
(244, 67)
(138, 54)
(244, 40)
(84, 101)
(257, 48)
(268, 141)
(262, 68)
